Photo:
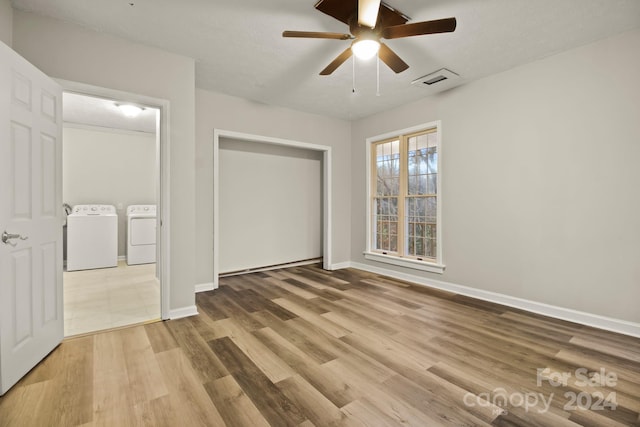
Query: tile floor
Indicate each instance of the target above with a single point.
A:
(110, 297)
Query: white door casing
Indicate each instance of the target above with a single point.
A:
(31, 311)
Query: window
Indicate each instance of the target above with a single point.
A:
(404, 205)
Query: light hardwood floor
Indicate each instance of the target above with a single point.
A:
(107, 298)
(304, 347)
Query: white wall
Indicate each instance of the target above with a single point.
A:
(270, 205)
(6, 22)
(235, 114)
(109, 168)
(540, 186)
(70, 52)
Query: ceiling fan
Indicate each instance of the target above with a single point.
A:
(369, 21)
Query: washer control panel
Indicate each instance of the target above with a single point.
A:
(93, 210)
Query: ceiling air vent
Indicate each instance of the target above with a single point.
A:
(436, 78)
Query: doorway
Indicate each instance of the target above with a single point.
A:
(111, 170)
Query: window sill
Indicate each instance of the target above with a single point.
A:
(405, 262)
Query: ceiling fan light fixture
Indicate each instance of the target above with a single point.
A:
(365, 49)
(130, 110)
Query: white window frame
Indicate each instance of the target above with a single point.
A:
(436, 266)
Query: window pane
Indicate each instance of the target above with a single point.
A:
(431, 248)
(418, 210)
(387, 168)
(432, 160)
(379, 186)
(412, 166)
(419, 246)
(383, 171)
(413, 185)
(395, 148)
(412, 146)
(387, 187)
(393, 206)
(422, 181)
(423, 141)
(393, 228)
(431, 209)
(432, 184)
(394, 187)
(430, 231)
(393, 243)
(422, 164)
(433, 139)
(395, 167)
(386, 223)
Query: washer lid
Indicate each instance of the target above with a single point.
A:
(85, 210)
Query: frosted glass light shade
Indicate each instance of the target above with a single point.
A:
(365, 49)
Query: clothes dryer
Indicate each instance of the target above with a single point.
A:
(141, 234)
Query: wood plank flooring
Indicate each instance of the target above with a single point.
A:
(307, 347)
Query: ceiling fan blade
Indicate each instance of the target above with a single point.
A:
(342, 10)
(446, 25)
(317, 35)
(368, 12)
(390, 58)
(346, 54)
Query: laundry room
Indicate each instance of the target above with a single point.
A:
(110, 180)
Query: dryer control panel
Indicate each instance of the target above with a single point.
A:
(141, 209)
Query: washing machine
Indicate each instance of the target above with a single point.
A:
(92, 237)
(141, 234)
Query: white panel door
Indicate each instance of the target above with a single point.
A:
(31, 316)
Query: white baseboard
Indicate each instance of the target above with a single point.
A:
(203, 287)
(179, 313)
(272, 267)
(583, 318)
(340, 265)
(122, 257)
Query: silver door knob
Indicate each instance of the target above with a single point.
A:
(6, 237)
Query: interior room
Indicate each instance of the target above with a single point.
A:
(442, 234)
(109, 161)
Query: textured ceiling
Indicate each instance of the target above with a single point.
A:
(239, 49)
(100, 112)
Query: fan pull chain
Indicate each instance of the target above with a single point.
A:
(353, 86)
(378, 76)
